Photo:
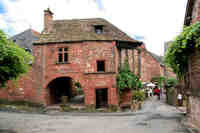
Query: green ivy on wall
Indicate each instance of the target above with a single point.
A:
(126, 79)
(181, 48)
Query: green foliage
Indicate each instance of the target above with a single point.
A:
(14, 60)
(126, 79)
(181, 48)
(78, 84)
(78, 87)
(138, 95)
(171, 82)
(158, 81)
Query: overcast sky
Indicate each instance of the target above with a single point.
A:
(152, 21)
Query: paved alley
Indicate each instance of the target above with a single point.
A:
(155, 117)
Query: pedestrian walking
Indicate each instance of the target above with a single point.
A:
(150, 91)
(157, 92)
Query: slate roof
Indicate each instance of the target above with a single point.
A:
(82, 30)
(25, 39)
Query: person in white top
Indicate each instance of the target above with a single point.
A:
(180, 99)
(150, 91)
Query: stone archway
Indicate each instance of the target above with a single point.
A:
(59, 87)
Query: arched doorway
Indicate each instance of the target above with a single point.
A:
(60, 87)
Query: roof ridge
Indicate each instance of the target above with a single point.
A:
(82, 29)
(79, 19)
(27, 30)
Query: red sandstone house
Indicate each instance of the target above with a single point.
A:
(192, 15)
(89, 51)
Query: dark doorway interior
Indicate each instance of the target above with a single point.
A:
(101, 98)
(58, 88)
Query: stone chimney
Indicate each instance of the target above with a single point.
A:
(48, 19)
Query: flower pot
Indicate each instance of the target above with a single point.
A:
(134, 106)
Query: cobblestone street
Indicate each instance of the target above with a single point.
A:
(155, 117)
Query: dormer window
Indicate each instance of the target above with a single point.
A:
(98, 29)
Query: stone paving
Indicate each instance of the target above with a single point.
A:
(155, 117)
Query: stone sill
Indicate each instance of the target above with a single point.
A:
(60, 63)
(100, 73)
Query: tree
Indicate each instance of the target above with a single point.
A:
(13, 60)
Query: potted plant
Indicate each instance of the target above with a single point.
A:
(138, 97)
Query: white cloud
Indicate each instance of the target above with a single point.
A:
(157, 20)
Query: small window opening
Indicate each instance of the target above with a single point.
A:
(62, 55)
(14, 41)
(100, 66)
(99, 29)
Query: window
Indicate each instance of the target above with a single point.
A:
(99, 29)
(62, 55)
(100, 66)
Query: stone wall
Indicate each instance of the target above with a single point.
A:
(194, 77)
(194, 74)
(196, 11)
(21, 89)
(81, 67)
(194, 116)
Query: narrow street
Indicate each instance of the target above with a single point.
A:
(155, 117)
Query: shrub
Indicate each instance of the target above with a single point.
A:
(138, 95)
(126, 79)
(171, 82)
(78, 87)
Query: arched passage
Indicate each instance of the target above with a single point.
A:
(60, 87)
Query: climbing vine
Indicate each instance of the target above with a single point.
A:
(180, 49)
(126, 79)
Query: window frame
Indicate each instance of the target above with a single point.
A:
(61, 51)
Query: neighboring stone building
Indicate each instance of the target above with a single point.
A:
(151, 65)
(26, 39)
(88, 51)
(193, 15)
